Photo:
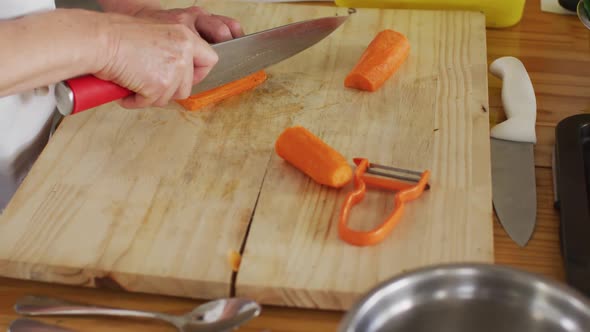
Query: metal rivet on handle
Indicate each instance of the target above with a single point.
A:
(64, 98)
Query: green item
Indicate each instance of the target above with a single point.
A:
(587, 7)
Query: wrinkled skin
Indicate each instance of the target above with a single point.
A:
(169, 51)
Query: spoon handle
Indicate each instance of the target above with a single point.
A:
(44, 306)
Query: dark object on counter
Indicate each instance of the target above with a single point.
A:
(571, 177)
(569, 4)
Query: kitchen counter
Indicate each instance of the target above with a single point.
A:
(555, 50)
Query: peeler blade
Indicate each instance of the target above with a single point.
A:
(392, 172)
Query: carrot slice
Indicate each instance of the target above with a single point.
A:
(202, 99)
(382, 58)
(312, 156)
(234, 258)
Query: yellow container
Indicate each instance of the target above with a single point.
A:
(499, 13)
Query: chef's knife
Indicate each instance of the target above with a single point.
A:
(238, 58)
(512, 142)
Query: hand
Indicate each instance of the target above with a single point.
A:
(213, 28)
(159, 62)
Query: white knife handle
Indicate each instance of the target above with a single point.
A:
(518, 99)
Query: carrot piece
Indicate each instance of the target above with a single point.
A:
(382, 58)
(312, 156)
(234, 258)
(202, 99)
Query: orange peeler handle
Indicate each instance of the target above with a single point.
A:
(405, 192)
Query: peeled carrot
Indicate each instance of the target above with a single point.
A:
(312, 156)
(202, 99)
(382, 58)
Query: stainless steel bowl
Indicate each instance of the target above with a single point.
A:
(469, 297)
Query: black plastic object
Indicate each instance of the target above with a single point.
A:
(569, 4)
(571, 174)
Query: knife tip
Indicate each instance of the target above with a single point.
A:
(521, 241)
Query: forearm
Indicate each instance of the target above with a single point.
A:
(42, 49)
(128, 7)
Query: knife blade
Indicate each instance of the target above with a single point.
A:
(514, 192)
(238, 58)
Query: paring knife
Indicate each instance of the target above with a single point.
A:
(512, 143)
(238, 58)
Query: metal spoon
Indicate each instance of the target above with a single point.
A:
(582, 14)
(218, 315)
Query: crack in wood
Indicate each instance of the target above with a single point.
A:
(234, 276)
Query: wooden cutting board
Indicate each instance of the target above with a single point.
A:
(153, 200)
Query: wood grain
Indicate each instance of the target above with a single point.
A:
(431, 115)
(112, 204)
(545, 145)
(540, 256)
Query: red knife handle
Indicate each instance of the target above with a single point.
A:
(85, 92)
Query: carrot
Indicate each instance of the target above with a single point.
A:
(234, 258)
(382, 58)
(312, 156)
(202, 99)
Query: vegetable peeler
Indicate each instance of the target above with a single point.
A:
(409, 186)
